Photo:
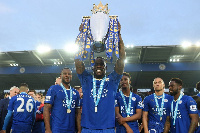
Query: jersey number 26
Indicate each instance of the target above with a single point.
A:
(29, 105)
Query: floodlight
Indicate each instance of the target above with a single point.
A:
(71, 48)
(43, 49)
(197, 44)
(125, 61)
(186, 44)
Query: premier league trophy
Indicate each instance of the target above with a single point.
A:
(100, 33)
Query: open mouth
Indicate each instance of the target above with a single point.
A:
(98, 70)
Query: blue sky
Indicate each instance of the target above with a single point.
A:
(25, 24)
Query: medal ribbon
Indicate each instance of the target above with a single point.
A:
(109, 41)
(68, 101)
(97, 98)
(116, 38)
(160, 110)
(128, 108)
(174, 112)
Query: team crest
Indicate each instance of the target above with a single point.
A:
(74, 93)
(133, 98)
(107, 79)
(180, 102)
(166, 100)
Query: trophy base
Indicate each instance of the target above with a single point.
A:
(98, 47)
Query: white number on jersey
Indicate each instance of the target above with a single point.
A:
(29, 105)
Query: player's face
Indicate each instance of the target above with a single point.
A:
(124, 82)
(158, 84)
(14, 92)
(80, 93)
(66, 76)
(99, 68)
(38, 97)
(32, 94)
(173, 88)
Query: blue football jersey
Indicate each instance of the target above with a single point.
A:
(154, 123)
(105, 116)
(198, 94)
(186, 106)
(23, 107)
(136, 103)
(37, 103)
(61, 121)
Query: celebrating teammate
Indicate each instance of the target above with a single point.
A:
(183, 114)
(155, 107)
(22, 107)
(128, 107)
(98, 111)
(63, 102)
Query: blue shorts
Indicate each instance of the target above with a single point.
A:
(110, 130)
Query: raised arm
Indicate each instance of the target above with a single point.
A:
(119, 66)
(80, 67)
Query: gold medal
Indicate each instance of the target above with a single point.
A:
(160, 118)
(95, 109)
(68, 110)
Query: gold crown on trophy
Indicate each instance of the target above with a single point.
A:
(100, 8)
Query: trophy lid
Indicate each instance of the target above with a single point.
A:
(100, 8)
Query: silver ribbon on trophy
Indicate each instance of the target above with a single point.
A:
(100, 33)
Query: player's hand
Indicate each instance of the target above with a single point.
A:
(81, 27)
(141, 127)
(119, 27)
(3, 131)
(48, 131)
(121, 120)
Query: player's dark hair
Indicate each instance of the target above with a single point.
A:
(127, 74)
(177, 80)
(23, 84)
(198, 86)
(32, 91)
